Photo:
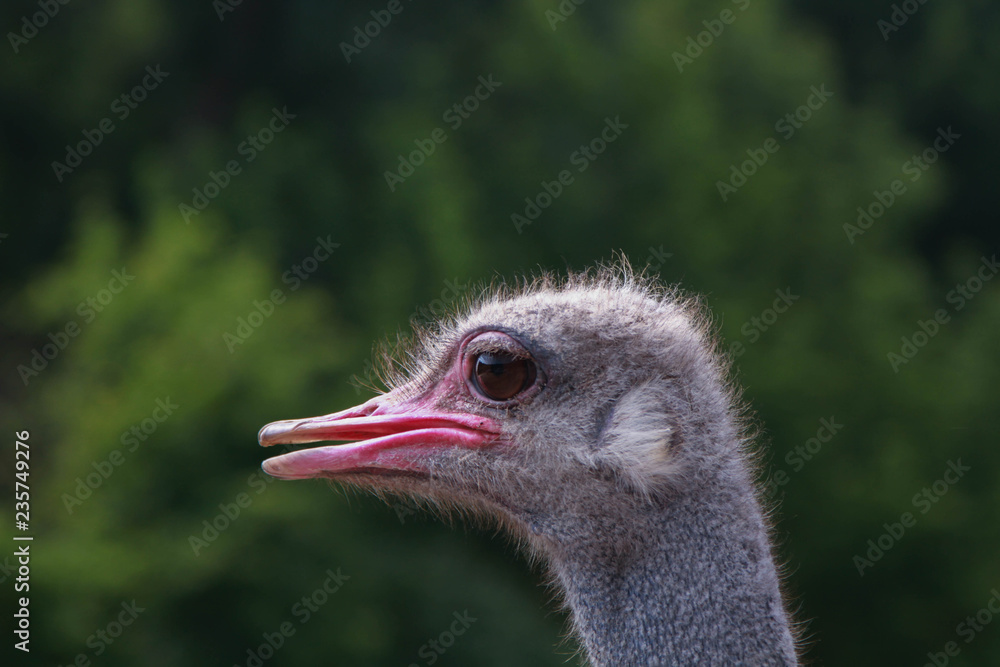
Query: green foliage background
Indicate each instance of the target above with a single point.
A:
(652, 193)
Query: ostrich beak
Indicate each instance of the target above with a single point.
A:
(395, 439)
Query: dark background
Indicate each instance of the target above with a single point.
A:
(422, 247)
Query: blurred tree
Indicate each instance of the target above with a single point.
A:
(743, 144)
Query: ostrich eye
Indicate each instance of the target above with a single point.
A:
(501, 376)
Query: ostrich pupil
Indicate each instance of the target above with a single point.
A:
(501, 376)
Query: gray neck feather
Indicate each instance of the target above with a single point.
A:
(689, 582)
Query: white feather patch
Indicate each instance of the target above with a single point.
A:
(638, 439)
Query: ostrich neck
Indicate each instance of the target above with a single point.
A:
(692, 582)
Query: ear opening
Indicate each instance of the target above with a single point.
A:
(639, 440)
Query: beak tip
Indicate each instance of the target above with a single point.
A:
(273, 468)
(267, 436)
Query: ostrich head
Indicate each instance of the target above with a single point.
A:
(590, 416)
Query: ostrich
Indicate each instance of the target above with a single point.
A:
(593, 417)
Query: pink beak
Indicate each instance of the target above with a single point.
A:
(390, 439)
